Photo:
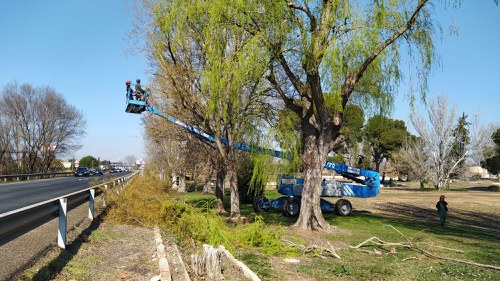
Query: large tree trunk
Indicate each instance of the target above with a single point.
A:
(233, 185)
(219, 185)
(314, 156)
(207, 186)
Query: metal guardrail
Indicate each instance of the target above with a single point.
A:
(18, 222)
(5, 178)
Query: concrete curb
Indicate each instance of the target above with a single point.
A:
(165, 274)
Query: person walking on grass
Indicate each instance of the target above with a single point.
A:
(442, 208)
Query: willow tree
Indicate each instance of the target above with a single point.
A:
(324, 54)
(209, 72)
(317, 57)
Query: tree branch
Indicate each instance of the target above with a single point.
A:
(297, 84)
(288, 101)
(389, 41)
(307, 11)
(352, 78)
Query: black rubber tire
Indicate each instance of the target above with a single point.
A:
(257, 204)
(291, 208)
(343, 207)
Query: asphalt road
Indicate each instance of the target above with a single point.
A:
(20, 253)
(15, 195)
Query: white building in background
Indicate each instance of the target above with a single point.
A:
(478, 171)
(66, 164)
(141, 164)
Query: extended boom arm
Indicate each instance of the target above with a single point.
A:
(367, 187)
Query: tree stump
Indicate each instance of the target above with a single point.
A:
(208, 265)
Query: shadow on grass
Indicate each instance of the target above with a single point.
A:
(460, 231)
(480, 244)
(478, 219)
(50, 271)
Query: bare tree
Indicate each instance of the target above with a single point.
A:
(174, 151)
(41, 123)
(411, 161)
(436, 133)
(131, 160)
(215, 97)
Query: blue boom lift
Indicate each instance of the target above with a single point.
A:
(361, 183)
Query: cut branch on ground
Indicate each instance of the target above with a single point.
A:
(378, 242)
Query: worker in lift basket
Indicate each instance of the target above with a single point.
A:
(139, 91)
(130, 92)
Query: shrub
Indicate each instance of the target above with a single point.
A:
(146, 202)
(138, 203)
(251, 181)
(258, 234)
(188, 223)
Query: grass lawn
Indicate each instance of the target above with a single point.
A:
(466, 238)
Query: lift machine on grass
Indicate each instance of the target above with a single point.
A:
(358, 182)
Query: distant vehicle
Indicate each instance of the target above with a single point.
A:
(82, 172)
(96, 172)
(113, 170)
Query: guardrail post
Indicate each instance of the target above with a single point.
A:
(61, 234)
(91, 203)
(104, 195)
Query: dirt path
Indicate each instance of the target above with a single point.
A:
(111, 252)
(114, 252)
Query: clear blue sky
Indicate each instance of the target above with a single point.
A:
(470, 72)
(79, 48)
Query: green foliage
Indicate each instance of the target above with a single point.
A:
(89, 162)
(461, 140)
(258, 234)
(385, 136)
(187, 222)
(354, 118)
(288, 134)
(461, 135)
(188, 216)
(337, 159)
(493, 163)
(348, 152)
(139, 203)
(366, 159)
(252, 176)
